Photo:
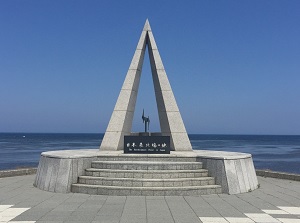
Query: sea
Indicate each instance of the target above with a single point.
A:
(272, 152)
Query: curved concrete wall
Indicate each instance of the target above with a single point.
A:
(235, 176)
(58, 170)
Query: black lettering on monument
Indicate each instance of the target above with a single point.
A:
(147, 144)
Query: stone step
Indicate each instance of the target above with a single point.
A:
(146, 165)
(147, 174)
(148, 157)
(135, 182)
(146, 191)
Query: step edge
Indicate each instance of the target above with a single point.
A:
(147, 179)
(146, 171)
(147, 188)
(145, 162)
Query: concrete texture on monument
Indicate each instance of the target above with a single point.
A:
(59, 170)
(121, 120)
(170, 119)
(174, 174)
(154, 175)
(233, 171)
(171, 122)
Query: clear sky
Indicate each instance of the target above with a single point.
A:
(234, 66)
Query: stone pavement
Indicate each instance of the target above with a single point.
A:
(275, 201)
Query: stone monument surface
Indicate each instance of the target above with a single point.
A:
(111, 171)
(170, 120)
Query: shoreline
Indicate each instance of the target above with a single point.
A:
(18, 172)
(262, 173)
(278, 175)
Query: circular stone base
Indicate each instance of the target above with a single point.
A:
(58, 170)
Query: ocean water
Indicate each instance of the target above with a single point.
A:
(274, 152)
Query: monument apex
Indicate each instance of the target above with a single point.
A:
(171, 123)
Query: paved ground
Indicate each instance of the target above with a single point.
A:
(276, 201)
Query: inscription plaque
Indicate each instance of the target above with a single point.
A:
(147, 144)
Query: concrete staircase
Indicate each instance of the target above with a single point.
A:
(147, 175)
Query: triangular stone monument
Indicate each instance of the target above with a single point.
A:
(171, 123)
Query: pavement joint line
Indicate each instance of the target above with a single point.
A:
(229, 204)
(8, 213)
(247, 202)
(212, 206)
(284, 187)
(15, 194)
(263, 179)
(123, 208)
(273, 197)
(169, 209)
(190, 206)
(257, 217)
(261, 205)
(146, 209)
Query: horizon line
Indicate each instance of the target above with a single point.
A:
(245, 134)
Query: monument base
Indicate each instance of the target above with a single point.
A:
(116, 173)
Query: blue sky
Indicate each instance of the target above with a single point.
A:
(234, 66)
